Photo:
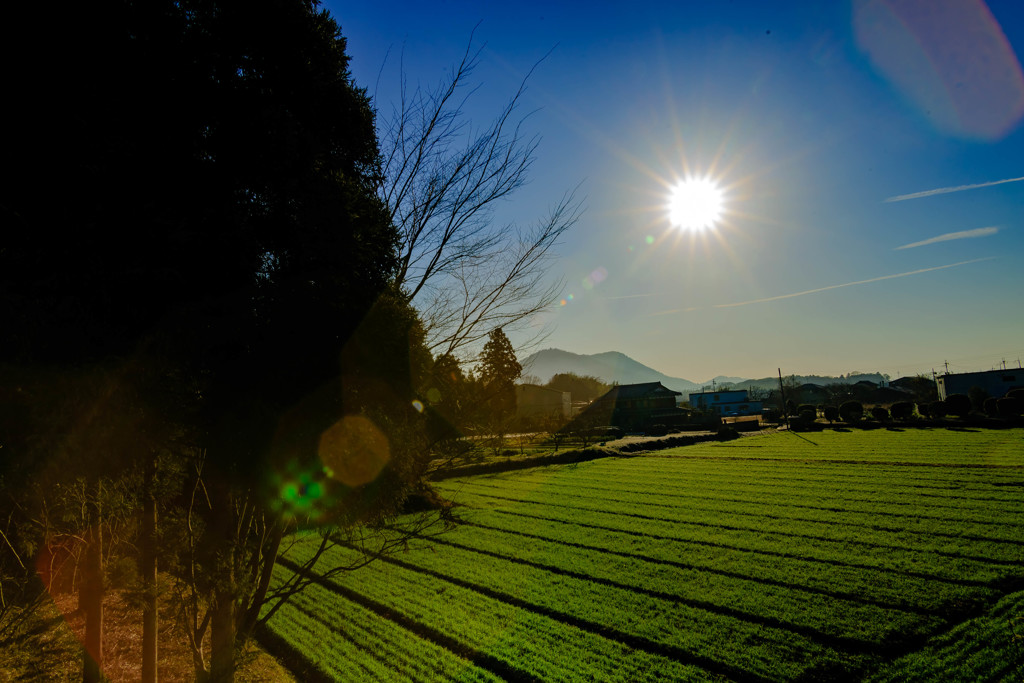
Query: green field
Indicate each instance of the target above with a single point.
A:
(881, 555)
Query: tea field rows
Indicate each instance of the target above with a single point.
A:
(844, 555)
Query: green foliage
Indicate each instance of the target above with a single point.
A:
(851, 411)
(770, 558)
(958, 404)
(582, 388)
(880, 414)
(1009, 406)
(831, 413)
(937, 410)
(499, 369)
(902, 410)
(991, 406)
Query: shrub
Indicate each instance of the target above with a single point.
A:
(804, 407)
(831, 413)
(991, 406)
(937, 410)
(1015, 393)
(727, 433)
(879, 413)
(851, 411)
(902, 410)
(657, 430)
(807, 414)
(958, 404)
(1009, 406)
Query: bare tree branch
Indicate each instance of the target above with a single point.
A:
(442, 180)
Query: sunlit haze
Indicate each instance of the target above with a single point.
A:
(869, 162)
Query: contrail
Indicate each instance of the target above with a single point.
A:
(962, 235)
(947, 190)
(851, 284)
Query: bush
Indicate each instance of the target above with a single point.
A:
(727, 433)
(656, 430)
(879, 413)
(991, 406)
(1015, 393)
(831, 413)
(958, 404)
(808, 414)
(937, 410)
(851, 411)
(902, 410)
(1009, 406)
(804, 407)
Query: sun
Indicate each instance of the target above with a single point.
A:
(695, 204)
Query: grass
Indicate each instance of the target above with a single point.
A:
(889, 555)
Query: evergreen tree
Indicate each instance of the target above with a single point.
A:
(499, 370)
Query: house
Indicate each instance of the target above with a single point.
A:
(725, 403)
(995, 383)
(536, 401)
(633, 407)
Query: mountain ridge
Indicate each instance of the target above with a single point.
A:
(616, 367)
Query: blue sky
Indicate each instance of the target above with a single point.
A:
(816, 119)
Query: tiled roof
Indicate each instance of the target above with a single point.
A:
(645, 390)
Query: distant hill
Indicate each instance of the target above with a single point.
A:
(610, 366)
(613, 366)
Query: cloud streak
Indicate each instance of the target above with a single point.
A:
(962, 235)
(851, 284)
(947, 190)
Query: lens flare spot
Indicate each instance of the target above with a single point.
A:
(417, 405)
(649, 239)
(355, 450)
(433, 395)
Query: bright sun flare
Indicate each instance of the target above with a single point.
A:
(695, 204)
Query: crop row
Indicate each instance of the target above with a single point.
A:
(778, 518)
(891, 588)
(926, 556)
(988, 447)
(644, 621)
(911, 485)
(527, 641)
(837, 500)
(841, 620)
(362, 645)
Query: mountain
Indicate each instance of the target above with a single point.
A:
(610, 366)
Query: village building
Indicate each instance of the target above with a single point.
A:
(634, 407)
(727, 403)
(996, 383)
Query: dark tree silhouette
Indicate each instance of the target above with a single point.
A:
(499, 369)
(196, 184)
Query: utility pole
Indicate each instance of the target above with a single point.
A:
(782, 393)
(947, 367)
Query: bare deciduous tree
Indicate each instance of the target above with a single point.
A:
(442, 181)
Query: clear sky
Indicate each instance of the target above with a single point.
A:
(830, 127)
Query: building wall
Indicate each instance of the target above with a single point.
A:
(995, 382)
(725, 403)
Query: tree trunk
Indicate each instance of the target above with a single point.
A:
(148, 569)
(222, 624)
(90, 595)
